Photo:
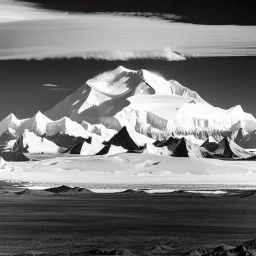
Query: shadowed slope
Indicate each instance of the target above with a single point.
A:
(123, 139)
(66, 141)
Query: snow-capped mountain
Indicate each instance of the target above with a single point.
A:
(149, 106)
(113, 88)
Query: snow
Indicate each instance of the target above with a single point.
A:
(4, 166)
(123, 168)
(37, 145)
(192, 139)
(115, 84)
(163, 106)
(151, 149)
(91, 149)
(65, 125)
(181, 90)
(204, 117)
(114, 150)
(138, 138)
(100, 130)
(36, 124)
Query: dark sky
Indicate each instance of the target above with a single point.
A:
(240, 12)
(223, 82)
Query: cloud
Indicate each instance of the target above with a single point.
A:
(112, 37)
(61, 89)
(11, 11)
(53, 87)
(50, 85)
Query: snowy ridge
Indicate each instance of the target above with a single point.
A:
(7, 123)
(193, 119)
(181, 90)
(65, 125)
(99, 129)
(36, 124)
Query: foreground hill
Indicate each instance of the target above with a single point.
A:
(125, 223)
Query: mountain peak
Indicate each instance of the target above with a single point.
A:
(11, 117)
(120, 69)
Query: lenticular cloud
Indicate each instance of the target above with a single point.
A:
(40, 54)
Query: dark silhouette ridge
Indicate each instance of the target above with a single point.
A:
(123, 139)
(104, 150)
(169, 141)
(131, 192)
(120, 252)
(178, 148)
(67, 141)
(6, 137)
(247, 141)
(14, 157)
(158, 144)
(75, 150)
(210, 146)
(19, 145)
(66, 189)
(224, 150)
(138, 151)
(229, 150)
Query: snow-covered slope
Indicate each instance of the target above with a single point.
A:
(67, 126)
(201, 117)
(34, 144)
(159, 151)
(93, 148)
(99, 129)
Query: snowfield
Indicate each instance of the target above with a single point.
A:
(131, 169)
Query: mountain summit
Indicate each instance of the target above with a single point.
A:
(118, 85)
(144, 101)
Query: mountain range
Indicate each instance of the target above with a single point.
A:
(147, 105)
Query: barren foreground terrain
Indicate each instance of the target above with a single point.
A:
(69, 221)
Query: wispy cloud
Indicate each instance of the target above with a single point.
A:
(53, 87)
(50, 85)
(61, 89)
